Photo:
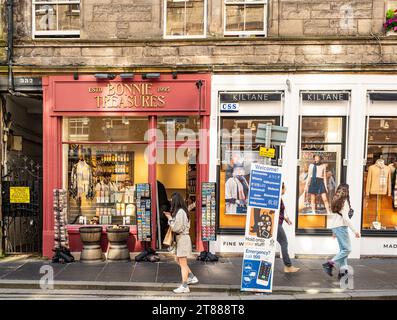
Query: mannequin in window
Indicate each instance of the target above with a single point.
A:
(236, 191)
(316, 183)
(393, 177)
(81, 182)
(393, 172)
(378, 179)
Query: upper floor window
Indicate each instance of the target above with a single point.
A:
(245, 17)
(185, 18)
(56, 18)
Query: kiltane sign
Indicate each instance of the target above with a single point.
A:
(325, 96)
(19, 195)
(250, 96)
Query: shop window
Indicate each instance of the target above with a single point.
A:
(56, 19)
(320, 169)
(107, 129)
(246, 17)
(380, 176)
(178, 128)
(185, 18)
(238, 151)
(100, 175)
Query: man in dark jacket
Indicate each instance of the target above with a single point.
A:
(164, 206)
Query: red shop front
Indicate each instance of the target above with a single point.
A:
(103, 137)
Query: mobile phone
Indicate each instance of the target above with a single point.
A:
(264, 273)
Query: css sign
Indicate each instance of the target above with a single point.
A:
(229, 107)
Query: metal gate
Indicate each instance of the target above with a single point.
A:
(22, 206)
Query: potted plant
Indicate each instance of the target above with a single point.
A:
(390, 26)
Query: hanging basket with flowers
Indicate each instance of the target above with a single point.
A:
(390, 26)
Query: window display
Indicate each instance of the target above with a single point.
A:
(380, 176)
(320, 169)
(178, 128)
(101, 176)
(238, 151)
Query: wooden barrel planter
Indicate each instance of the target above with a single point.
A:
(118, 238)
(91, 238)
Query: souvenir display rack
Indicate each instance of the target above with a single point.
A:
(208, 211)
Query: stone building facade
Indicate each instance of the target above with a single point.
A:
(302, 35)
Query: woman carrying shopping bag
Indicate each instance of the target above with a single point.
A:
(179, 222)
(339, 222)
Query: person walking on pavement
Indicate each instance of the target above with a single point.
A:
(282, 237)
(339, 222)
(179, 222)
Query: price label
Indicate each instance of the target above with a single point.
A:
(229, 107)
(267, 152)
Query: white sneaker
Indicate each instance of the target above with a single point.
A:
(182, 289)
(193, 280)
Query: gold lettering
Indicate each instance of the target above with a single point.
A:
(161, 99)
(115, 102)
(129, 88)
(148, 88)
(107, 100)
(121, 103)
(145, 102)
(110, 89)
(139, 96)
(119, 89)
(130, 100)
(137, 87)
(98, 101)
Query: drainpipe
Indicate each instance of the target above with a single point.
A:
(10, 43)
(4, 119)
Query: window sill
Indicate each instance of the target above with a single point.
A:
(378, 233)
(231, 232)
(314, 232)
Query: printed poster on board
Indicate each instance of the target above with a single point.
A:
(264, 198)
(236, 180)
(313, 189)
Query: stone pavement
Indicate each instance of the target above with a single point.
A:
(370, 275)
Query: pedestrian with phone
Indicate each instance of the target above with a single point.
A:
(339, 221)
(282, 237)
(179, 222)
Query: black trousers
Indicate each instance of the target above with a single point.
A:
(282, 240)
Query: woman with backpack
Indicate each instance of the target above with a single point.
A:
(179, 222)
(339, 221)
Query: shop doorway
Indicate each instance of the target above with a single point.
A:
(21, 175)
(177, 173)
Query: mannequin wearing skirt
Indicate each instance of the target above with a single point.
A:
(316, 183)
